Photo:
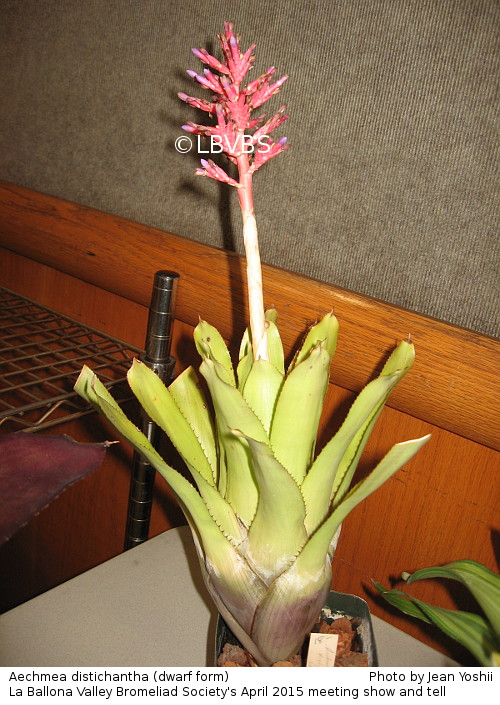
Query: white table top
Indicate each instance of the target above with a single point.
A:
(146, 607)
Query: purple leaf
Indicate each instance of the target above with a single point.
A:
(34, 470)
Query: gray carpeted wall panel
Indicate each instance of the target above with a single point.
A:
(390, 188)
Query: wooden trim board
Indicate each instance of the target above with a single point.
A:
(454, 383)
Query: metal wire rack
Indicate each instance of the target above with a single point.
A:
(41, 355)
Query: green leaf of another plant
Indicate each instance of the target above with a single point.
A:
(483, 584)
(468, 629)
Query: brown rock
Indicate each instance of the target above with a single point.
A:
(337, 626)
(232, 654)
(352, 659)
(345, 643)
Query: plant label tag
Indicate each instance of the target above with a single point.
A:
(322, 649)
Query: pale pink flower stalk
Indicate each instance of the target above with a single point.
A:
(232, 105)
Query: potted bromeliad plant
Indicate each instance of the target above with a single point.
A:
(264, 508)
(478, 632)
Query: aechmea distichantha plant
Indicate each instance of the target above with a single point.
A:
(265, 510)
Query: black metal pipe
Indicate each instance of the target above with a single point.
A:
(158, 358)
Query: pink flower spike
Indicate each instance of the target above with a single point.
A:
(277, 85)
(271, 124)
(237, 63)
(207, 58)
(257, 83)
(245, 141)
(268, 151)
(213, 80)
(233, 106)
(228, 42)
(234, 48)
(213, 171)
(252, 124)
(243, 65)
(203, 81)
(203, 130)
(197, 103)
(220, 114)
(248, 56)
(238, 112)
(266, 92)
(229, 88)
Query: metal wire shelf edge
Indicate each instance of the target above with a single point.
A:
(42, 424)
(51, 404)
(134, 348)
